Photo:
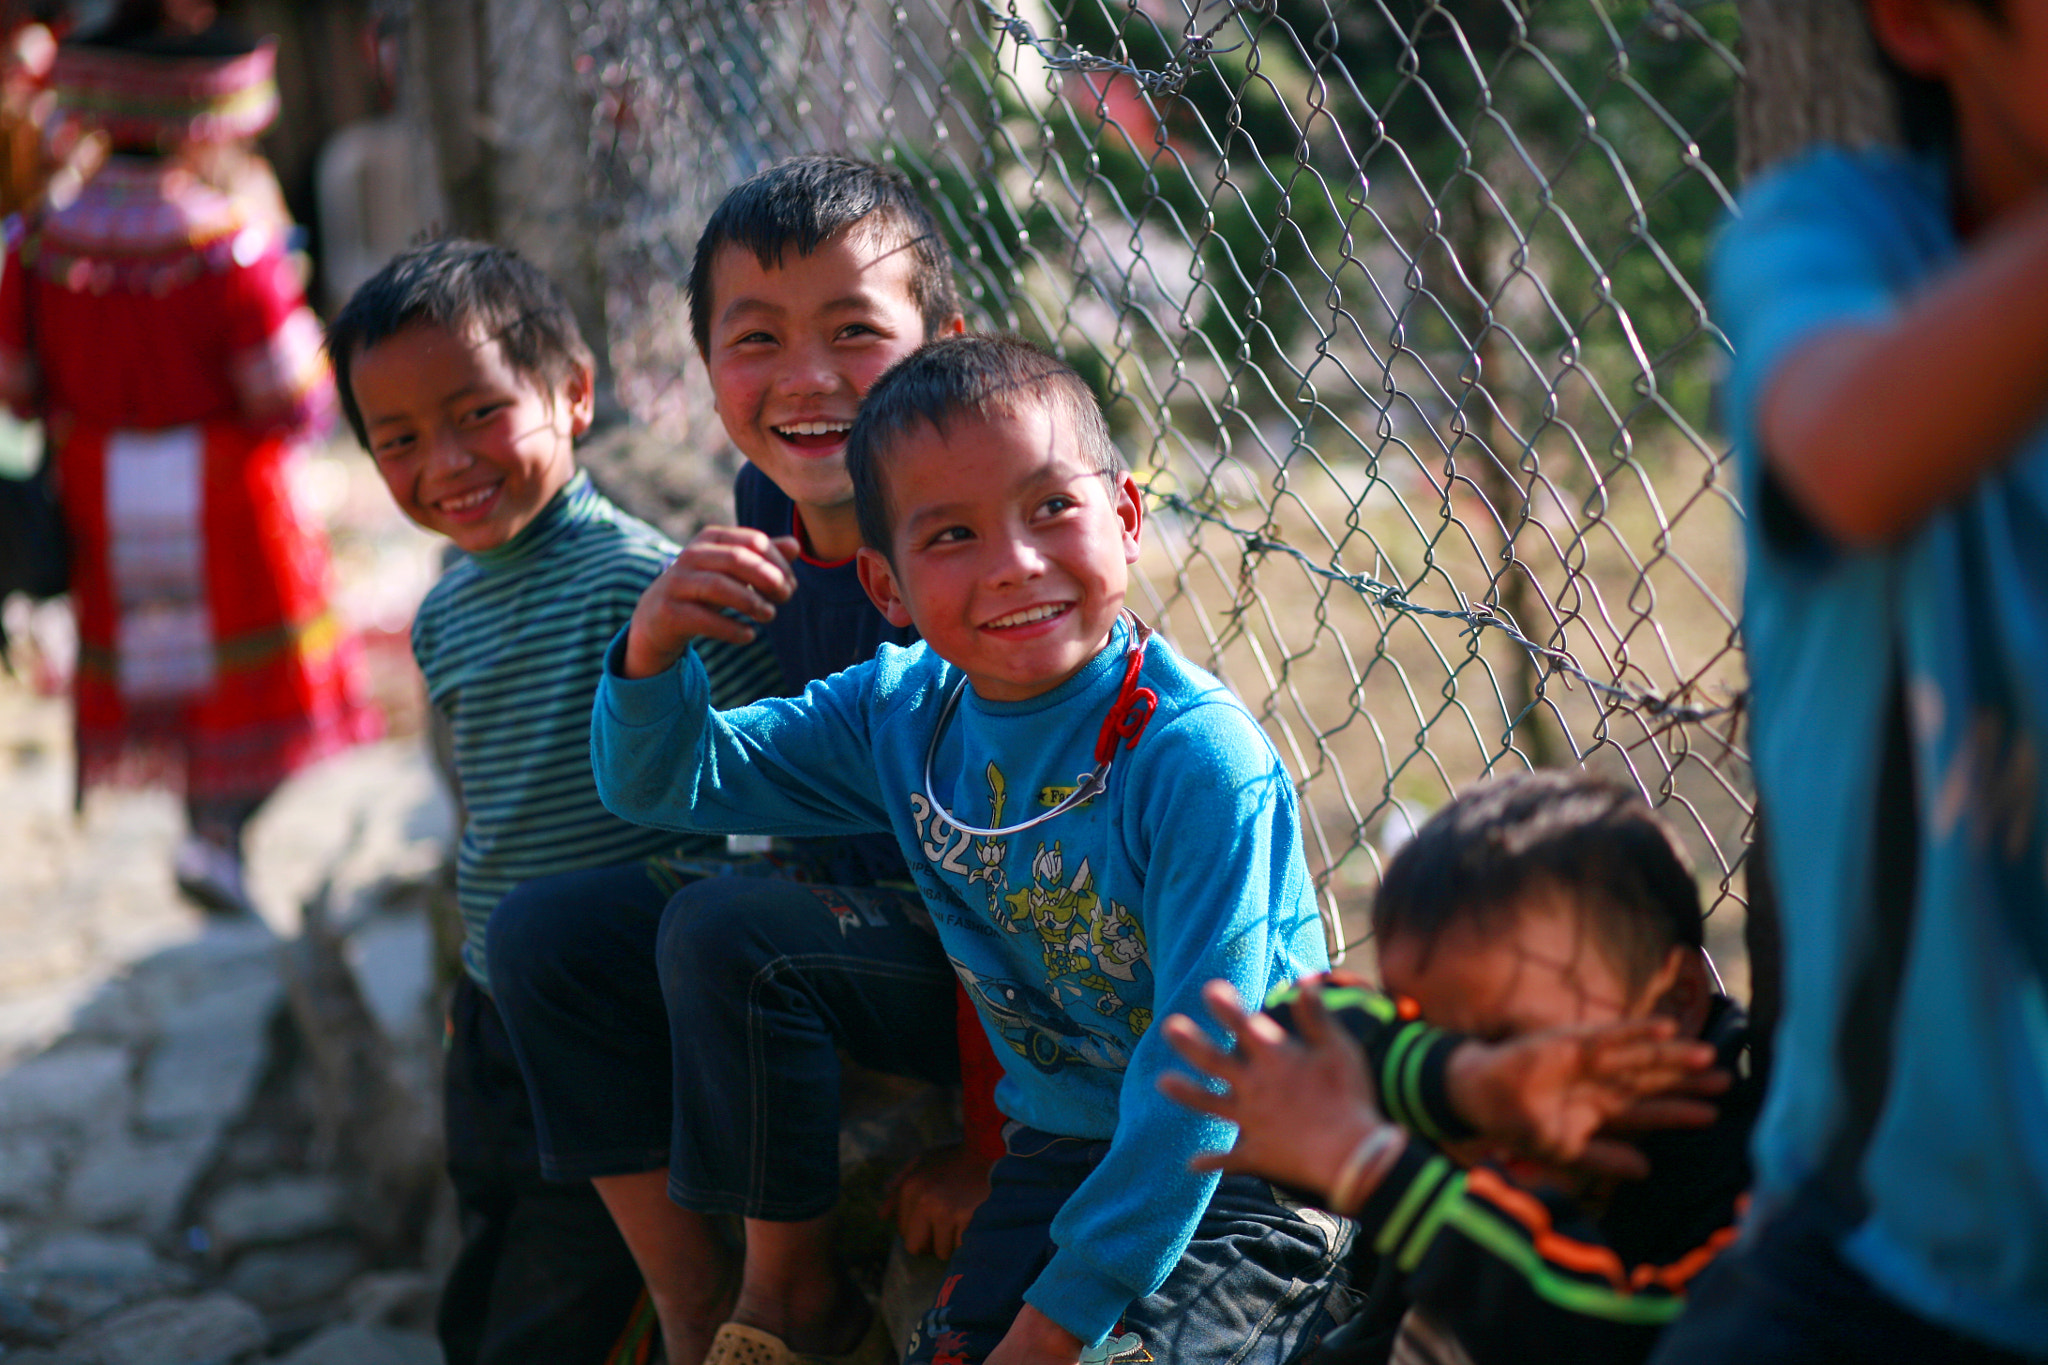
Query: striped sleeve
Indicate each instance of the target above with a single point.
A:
(1516, 1274)
(1408, 1058)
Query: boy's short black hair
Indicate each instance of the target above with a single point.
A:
(465, 288)
(1595, 841)
(1926, 112)
(980, 375)
(801, 203)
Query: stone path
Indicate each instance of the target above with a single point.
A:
(168, 1193)
(202, 1120)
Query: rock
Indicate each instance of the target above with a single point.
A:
(73, 1087)
(281, 1209)
(910, 1285)
(208, 1330)
(76, 1277)
(393, 959)
(202, 1071)
(354, 1344)
(28, 1173)
(90, 1253)
(279, 1278)
(394, 1298)
(145, 1182)
(22, 1325)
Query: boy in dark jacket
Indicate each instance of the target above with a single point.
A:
(1549, 921)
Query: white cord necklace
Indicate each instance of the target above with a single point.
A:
(1119, 724)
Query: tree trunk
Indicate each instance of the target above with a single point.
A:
(1812, 75)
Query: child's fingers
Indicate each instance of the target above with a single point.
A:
(762, 562)
(720, 583)
(1226, 1004)
(1609, 1157)
(1183, 1091)
(1194, 1047)
(1311, 1019)
(1663, 1111)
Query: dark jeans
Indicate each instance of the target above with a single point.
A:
(765, 981)
(701, 1033)
(1786, 1297)
(1249, 1289)
(542, 1273)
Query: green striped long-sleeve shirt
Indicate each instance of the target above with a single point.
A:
(511, 642)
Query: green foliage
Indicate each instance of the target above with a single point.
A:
(1413, 171)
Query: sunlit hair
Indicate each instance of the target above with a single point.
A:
(467, 289)
(802, 203)
(1592, 842)
(975, 375)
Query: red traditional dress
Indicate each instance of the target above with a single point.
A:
(157, 327)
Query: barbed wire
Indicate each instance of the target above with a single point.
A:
(1195, 48)
(1393, 597)
(1416, 285)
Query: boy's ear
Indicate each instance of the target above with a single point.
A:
(1130, 510)
(1912, 34)
(1682, 990)
(579, 391)
(884, 591)
(951, 327)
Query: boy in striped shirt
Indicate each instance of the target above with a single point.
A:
(462, 372)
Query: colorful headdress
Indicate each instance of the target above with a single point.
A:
(146, 99)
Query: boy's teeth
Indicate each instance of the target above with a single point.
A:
(815, 428)
(1028, 615)
(466, 501)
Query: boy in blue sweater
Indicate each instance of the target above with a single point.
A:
(1097, 827)
(1888, 405)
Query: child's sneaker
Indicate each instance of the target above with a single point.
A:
(211, 877)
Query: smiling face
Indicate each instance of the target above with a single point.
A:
(1012, 553)
(469, 447)
(793, 349)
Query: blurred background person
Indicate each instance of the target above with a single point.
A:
(154, 320)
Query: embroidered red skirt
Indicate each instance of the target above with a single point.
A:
(209, 660)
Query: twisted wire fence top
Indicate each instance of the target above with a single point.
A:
(1395, 307)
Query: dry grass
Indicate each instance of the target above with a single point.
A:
(1384, 714)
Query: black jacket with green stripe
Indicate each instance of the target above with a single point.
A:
(1513, 1272)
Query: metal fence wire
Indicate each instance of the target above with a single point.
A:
(1395, 307)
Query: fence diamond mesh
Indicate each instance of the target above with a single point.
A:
(1395, 308)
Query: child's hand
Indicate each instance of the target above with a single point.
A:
(1035, 1339)
(1548, 1095)
(1301, 1106)
(725, 568)
(935, 1196)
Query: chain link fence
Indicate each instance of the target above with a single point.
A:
(1396, 310)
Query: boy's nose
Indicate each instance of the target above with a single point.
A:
(447, 454)
(1014, 559)
(810, 371)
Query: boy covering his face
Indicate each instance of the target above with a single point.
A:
(1549, 924)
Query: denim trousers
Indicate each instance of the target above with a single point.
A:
(1250, 1288)
(701, 1031)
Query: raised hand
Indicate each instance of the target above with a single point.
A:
(1550, 1095)
(1301, 1104)
(725, 577)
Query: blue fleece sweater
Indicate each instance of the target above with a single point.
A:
(1072, 936)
